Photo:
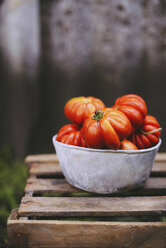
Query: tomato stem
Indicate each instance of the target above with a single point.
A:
(98, 115)
(153, 131)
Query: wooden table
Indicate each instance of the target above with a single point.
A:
(54, 214)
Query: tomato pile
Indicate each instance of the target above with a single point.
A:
(125, 125)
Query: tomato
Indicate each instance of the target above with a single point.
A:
(149, 133)
(127, 145)
(106, 128)
(78, 109)
(70, 134)
(134, 107)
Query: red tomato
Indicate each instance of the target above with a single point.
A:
(78, 109)
(106, 128)
(134, 107)
(149, 133)
(70, 134)
(127, 145)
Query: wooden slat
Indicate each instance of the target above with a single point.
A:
(41, 158)
(38, 186)
(159, 168)
(51, 158)
(75, 234)
(44, 169)
(156, 184)
(63, 234)
(92, 206)
(161, 156)
(53, 168)
(16, 239)
(41, 169)
(49, 186)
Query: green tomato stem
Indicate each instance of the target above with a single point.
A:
(98, 115)
(153, 131)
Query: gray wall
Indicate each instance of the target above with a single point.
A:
(51, 51)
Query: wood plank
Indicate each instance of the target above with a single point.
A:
(161, 156)
(49, 186)
(156, 184)
(92, 206)
(52, 157)
(41, 158)
(16, 239)
(62, 234)
(53, 168)
(159, 168)
(44, 169)
(13, 215)
(38, 186)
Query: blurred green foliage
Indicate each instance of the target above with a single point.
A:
(13, 175)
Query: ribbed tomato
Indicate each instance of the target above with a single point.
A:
(70, 134)
(78, 109)
(149, 133)
(127, 145)
(106, 128)
(134, 107)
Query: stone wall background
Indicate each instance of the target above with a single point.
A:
(53, 50)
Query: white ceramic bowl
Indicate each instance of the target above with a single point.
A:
(105, 171)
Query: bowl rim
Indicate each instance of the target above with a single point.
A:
(105, 150)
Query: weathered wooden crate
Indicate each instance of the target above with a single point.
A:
(54, 214)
